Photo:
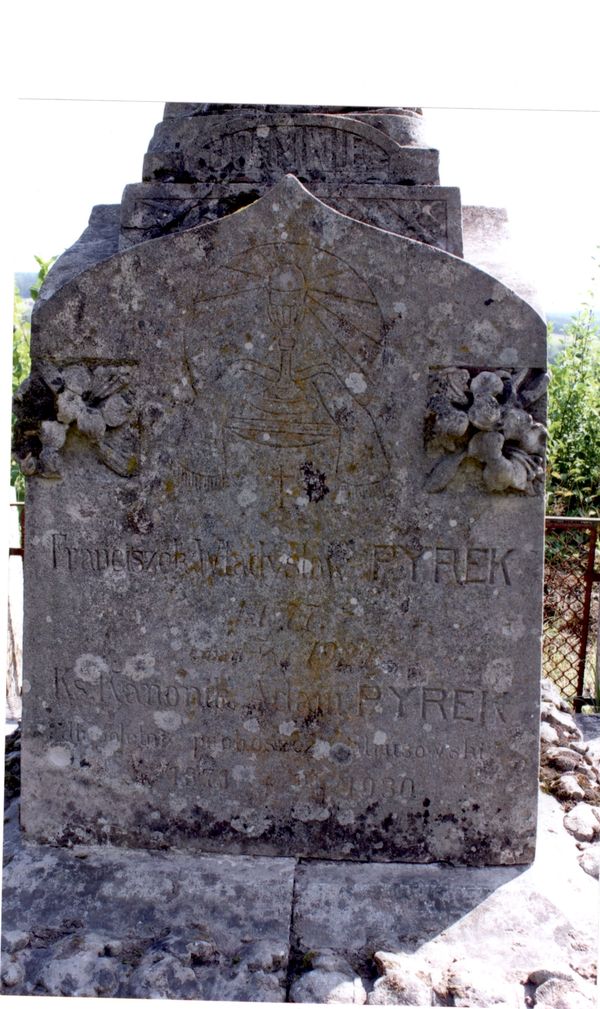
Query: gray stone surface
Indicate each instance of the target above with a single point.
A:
(174, 110)
(14, 658)
(589, 860)
(105, 922)
(405, 126)
(266, 612)
(386, 907)
(265, 146)
(206, 161)
(98, 921)
(99, 241)
(429, 214)
(486, 929)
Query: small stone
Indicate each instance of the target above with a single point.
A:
(161, 975)
(14, 940)
(176, 946)
(538, 977)
(548, 734)
(216, 984)
(551, 693)
(264, 956)
(567, 787)
(387, 962)
(13, 973)
(77, 379)
(81, 974)
(398, 988)
(590, 861)
(327, 987)
(328, 959)
(562, 993)
(582, 822)
(561, 720)
(469, 986)
(579, 747)
(563, 758)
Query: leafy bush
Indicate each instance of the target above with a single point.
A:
(573, 485)
(21, 358)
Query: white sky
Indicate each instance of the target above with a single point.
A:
(541, 165)
(80, 146)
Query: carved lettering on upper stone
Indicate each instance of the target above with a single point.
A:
(263, 148)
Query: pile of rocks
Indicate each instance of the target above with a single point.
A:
(410, 979)
(73, 961)
(570, 770)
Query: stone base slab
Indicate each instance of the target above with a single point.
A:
(101, 921)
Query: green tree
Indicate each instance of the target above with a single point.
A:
(573, 485)
(21, 356)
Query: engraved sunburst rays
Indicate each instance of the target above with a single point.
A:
(296, 341)
(336, 300)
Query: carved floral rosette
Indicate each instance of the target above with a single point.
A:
(95, 401)
(486, 417)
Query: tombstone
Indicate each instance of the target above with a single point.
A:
(284, 526)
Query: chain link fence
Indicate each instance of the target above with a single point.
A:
(571, 584)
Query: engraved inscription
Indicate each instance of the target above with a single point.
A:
(446, 564)
(325, 788)
(429, 704)
(441, 564)
(307, 150)
(113, 688)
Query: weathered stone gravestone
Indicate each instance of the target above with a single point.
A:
(284, 544)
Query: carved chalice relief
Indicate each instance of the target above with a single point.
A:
(286, 414)
(297, 408)
(283, 363)
(486, 417)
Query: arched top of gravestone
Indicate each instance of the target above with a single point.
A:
(262, 148)
(435, 304)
